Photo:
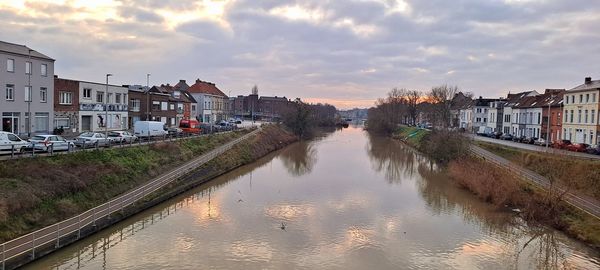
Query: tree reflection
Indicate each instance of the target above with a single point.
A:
(300, 158)
(392, 158)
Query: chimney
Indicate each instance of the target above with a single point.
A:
(588, 80)
(182, 81)
(198, 80)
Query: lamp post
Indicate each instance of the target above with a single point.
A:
(29, 93)
(148, 97)
(106, 108)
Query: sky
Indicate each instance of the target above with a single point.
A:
(347, 53)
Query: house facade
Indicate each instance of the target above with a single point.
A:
(512, 111)
(212, 102)
(580, 113)
(27, 84)
(66, 106)
(552, 106)
(101, 110)
(150, 105)
(495, 115)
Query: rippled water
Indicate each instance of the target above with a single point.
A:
(345, 201)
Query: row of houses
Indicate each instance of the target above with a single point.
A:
(36, 101)
(254, 107)
(553, 115)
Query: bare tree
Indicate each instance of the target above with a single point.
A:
(413, 97)
(441, 98)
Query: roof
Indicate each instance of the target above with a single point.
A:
(484, 102)
(592, 85)
(527, 102)
(181, 86)
(21, 50)
(275, 98)
(552, 97)
(514, 100)
(202, 87)
(189, 96)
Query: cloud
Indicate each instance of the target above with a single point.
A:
(350, 51)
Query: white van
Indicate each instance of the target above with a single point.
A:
(9, 140)
(149, 128)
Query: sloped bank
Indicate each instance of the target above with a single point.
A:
(269, 139)
(501, 187)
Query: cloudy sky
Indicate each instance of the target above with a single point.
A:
(346, 52)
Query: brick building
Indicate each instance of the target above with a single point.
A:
(66, 106)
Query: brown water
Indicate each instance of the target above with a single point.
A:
(345, 201)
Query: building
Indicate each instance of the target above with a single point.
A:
(153, 105)
(509, 121)
(481, 108)
(211, 101)
(27, 81)
(102, 110)
(495, 115)
(466, 116)
(66, 106)
(552, 105)
(191, 110)
(272, 107)
(580, 111)
(459, 101)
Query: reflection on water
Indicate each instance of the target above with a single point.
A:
(348, 200)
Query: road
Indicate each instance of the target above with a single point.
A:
(531, 147)
(51, 235)
(583, 202)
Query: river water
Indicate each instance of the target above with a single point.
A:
(347, 200)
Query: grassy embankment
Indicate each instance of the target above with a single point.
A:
(40, 191)
(411, 135)
(502, 188)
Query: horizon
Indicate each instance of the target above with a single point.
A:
(345, 53)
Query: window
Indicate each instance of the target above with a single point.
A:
(118, 98)
(566, 99)
(164, 105)
(135, 105)
(41, 122)
(27, 67)
(43, 94)
(62, 122)
(573, 99)
(10, 65)
(580, 98)
(27, 93)
(87, 93)
(99, 97)
(44, 70)
(109, 98)
(12, 137)
(539, 116)
(572, 116)
(193, 107)
(172, 107)
(566, 116)
(586, 116)
(66, 98)
(156, 105)
(10, 92)
(594, 98)
(587, 98)
(579, 116)
(593, 118)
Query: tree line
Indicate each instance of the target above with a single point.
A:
(407, 107)
(303, 117)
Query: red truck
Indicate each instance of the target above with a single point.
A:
(190, 126)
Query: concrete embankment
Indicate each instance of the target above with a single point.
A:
(114, 180)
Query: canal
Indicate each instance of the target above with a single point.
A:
(346, 200)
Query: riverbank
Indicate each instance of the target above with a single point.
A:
(505, 190)
(38, 192)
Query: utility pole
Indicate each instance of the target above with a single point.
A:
(147, 97)
(106, 108)
(29, 94)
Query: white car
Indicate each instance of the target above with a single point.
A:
(540, 141)
(122, 136)
(48, 143)
(10, 141)
(92, 139)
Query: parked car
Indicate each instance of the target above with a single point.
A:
(92, 139)
(518, 138)
(506, 136)
(174, 131)
(122, 136)
(529, 140)
(540, 142)
(594, 150)
(10, 141)
(562, 144)
(48, 143)
(578, 147)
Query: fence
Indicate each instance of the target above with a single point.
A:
(582, 202)
(73, 226)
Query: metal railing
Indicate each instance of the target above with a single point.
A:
(73, 226)
(579, 201)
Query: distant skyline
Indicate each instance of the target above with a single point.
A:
(346, 53)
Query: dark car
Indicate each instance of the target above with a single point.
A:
(518, 138)
(506, 137)
(578, 147)
(594, 150)
(496, 135)
(530, 140)
(562, 144)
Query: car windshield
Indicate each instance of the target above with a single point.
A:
(86, 134)
(114, 134)
(38, 138)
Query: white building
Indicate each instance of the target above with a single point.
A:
(101, 110)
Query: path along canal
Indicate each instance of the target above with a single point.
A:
(347, 200)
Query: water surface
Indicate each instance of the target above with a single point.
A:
(347, 200)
